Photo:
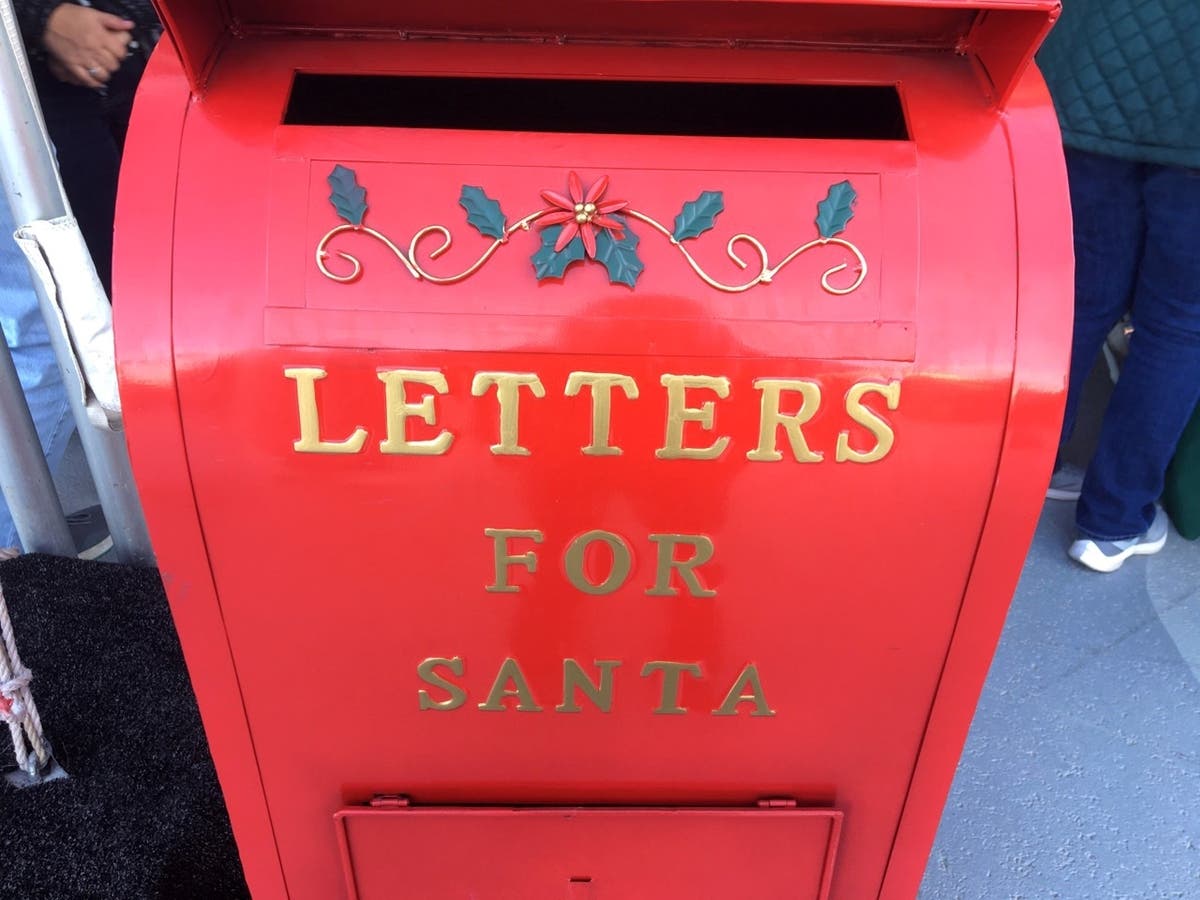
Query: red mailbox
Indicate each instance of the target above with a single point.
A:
(590, 451)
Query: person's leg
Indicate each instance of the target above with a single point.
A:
(88, 160)
(1160, 381)
(1106, 205)
(118, 101)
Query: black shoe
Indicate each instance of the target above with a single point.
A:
(90, 532)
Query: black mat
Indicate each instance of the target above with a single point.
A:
(141, 816)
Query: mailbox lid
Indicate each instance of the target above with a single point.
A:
(999, 36)
(861, 23)
(588, 854)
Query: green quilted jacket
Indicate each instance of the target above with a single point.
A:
(1125, 77)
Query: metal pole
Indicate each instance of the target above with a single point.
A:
(24, 476)
(34, 192)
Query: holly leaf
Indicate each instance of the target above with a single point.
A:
(836, 209)
(547, 263)
(482, 211)
(349, 198)
(619, 257)
(698, 215)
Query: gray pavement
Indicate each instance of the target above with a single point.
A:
(73, 479)
(1081, 775)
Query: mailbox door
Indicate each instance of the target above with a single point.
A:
(588, 854)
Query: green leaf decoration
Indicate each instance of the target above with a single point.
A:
(482, 211)
(619, 257)
(698, 215)
(836, 209)
(349, 198)
(547, 263)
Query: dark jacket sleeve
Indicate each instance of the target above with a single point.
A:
(31, 17)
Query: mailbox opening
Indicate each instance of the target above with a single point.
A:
(678, 108)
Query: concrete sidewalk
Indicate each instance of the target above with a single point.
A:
(1081, 775)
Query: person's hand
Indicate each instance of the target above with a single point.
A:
(85, 45)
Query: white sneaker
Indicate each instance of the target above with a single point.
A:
(1108, 556)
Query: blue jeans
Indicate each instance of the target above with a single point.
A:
(25, 333)
(1137, 249)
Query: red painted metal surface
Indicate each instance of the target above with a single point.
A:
(310, 588)
(997, 36)
(588, 854)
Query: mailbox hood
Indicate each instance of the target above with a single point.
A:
(999, 36)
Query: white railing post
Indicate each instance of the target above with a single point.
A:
(24, 476)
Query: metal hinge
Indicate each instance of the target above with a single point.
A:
(777, 803)
(388, 801)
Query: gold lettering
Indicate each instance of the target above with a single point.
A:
(702, 552)
(882, 431)
(508, 393)
(749, 677)
(399, 410)
(601, 385)
(504, 559)
(669, 699)
(679, 413)
(510, 671)
(426, 672)
(621, 563)
(575, 678)
(310, 421)
(770, 419)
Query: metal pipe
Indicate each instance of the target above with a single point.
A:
(34, 191)
(24, 476)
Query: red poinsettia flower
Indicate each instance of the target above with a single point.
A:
(583, 213)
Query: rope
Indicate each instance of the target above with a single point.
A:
(17, 708)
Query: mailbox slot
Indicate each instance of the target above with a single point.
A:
(583, 106)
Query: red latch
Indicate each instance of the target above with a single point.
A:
(579, 888)
(777, 803)
(388, 801)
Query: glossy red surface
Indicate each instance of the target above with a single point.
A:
(588, 854)
(999, 36)
(308, 588)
